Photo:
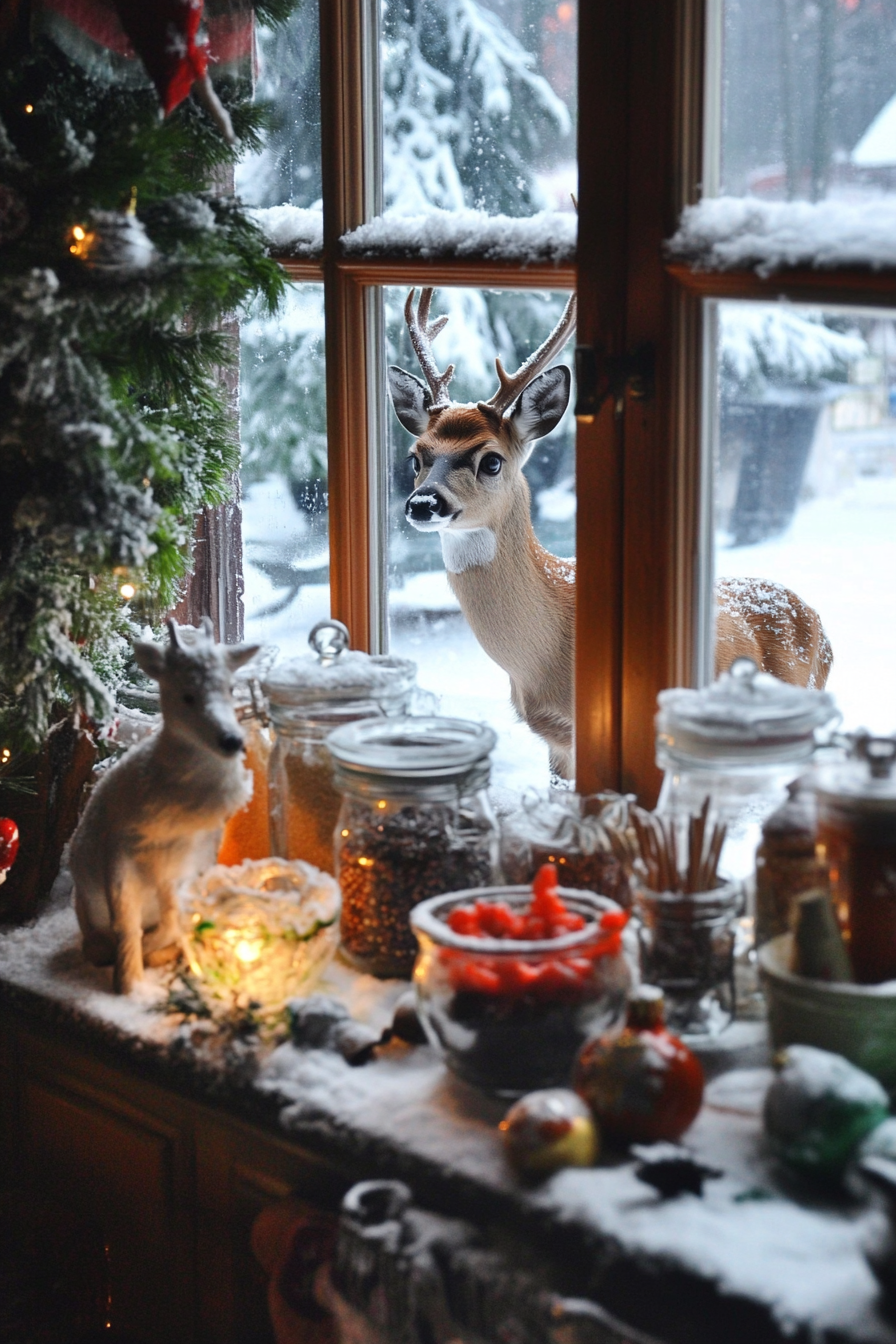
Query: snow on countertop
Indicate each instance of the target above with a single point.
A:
(405, 1115)
(548, 236)
(725, 232)
(291, 230)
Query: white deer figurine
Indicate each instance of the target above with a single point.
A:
(155, 818)
(519, 600)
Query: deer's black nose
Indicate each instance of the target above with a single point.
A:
(231, 743)
(426, 504)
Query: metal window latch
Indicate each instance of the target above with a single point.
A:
(599, 376)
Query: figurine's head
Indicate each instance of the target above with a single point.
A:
(195, 677)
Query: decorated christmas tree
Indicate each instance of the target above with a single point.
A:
(119, 258)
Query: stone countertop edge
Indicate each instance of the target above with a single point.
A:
(670, 1267)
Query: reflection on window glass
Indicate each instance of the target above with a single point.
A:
(809, 98)
(426, 619)
(287, 170)
(479, 104)
(284, 471)
(805, 479)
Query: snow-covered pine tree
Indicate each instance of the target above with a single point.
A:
(115, 428)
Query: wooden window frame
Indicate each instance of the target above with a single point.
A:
(643, 589)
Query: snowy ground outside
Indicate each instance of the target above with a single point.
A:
(839, 555)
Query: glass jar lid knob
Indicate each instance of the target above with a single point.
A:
(744, 671)
(329, 638)
(879, 752)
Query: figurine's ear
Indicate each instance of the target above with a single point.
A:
(238, 654)
(149, 658)
(410, 398)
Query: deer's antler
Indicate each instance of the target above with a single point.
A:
(422, 336)
(511, 385)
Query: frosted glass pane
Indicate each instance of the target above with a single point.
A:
(426, 622)
(479, 105)
(284, 471)
(808, 98)
(287, 170)
(805, 480)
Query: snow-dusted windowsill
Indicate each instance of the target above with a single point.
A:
(727, 233)
(292, 231)
(549, 236)
(799, 1268)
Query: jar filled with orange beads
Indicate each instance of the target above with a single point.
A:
(247, 832)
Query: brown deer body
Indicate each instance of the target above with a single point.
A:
(518, 599)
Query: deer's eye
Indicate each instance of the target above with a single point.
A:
(491, 464)
(415, 463)
(189, 699)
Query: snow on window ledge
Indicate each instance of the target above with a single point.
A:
(549, 236)
(290, 230)
(726, 232)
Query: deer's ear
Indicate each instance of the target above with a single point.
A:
(149, 658)
(539, 408)
(410, 399)
(238, 654)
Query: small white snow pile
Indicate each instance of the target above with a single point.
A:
(547, 236)
(291, 230)
(726, 232)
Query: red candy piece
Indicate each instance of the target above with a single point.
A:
(9, 843)
(559, 977)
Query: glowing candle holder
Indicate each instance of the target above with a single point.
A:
(265, 929)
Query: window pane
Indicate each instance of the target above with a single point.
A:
(479, 105)
(426, 622)
(808, 99)
(805, 480)
(287, 170)
(284, 471)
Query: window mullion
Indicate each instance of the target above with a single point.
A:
(352, 193)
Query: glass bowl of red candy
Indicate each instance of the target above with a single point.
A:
(511, 981)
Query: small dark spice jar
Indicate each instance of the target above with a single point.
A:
(415, 822)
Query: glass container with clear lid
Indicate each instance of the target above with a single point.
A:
(738, 742)
(415, 822)
(309, 697)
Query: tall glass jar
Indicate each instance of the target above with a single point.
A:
(247, 833)
(857, 843)
(308, 698)
(415, 822)
(738, 742)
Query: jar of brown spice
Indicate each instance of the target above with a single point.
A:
(308, 698)
(415, 822)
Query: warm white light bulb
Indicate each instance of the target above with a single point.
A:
(127, 591)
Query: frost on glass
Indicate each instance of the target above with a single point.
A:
(808, 99)
(805, 479)
(286, 171)
(284, 471)
(479, 105)
(425, 620)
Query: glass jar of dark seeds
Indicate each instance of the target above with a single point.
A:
(415, 822)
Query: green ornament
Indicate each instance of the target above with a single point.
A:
(819, 1109)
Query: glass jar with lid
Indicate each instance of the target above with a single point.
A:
(309, 697)
(857, 843)
(738, 742)
(415, 822)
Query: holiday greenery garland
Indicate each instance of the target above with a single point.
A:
(118, 264)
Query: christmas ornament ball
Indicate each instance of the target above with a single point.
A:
(643, 1084)
(9, 845)
(550, 1129)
